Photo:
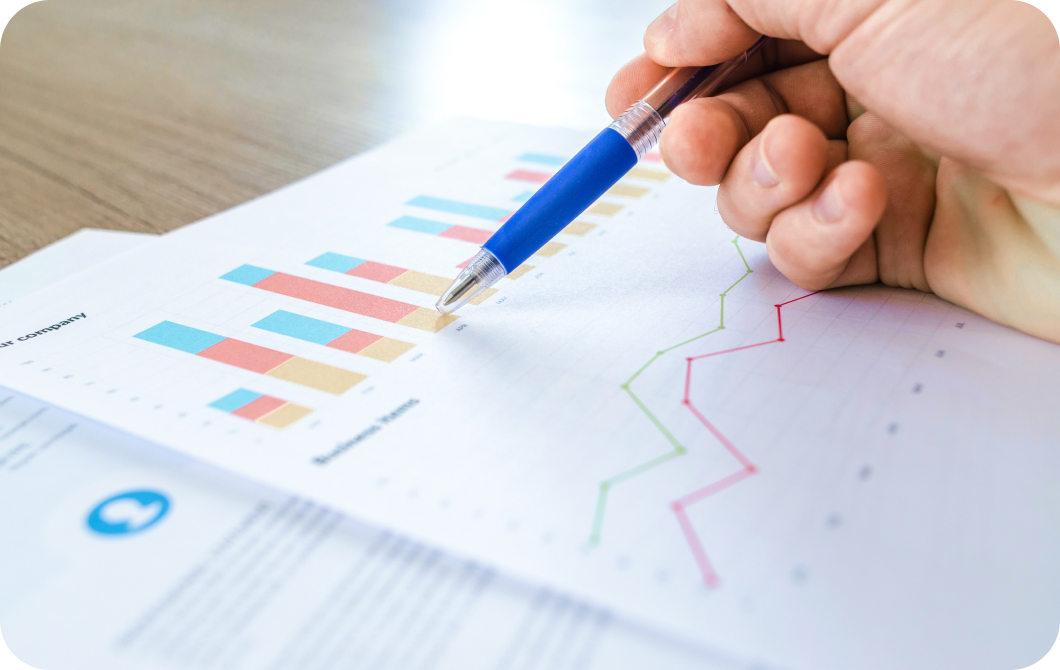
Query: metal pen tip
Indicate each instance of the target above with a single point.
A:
(483, 271)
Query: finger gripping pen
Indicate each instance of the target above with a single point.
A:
(586, 177)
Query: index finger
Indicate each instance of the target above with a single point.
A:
(637, 77)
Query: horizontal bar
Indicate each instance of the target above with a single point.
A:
(260, 407)
(542, 159)
(183, 338)
(235, 400)
(456, 207)
(648, 174)
(420, 225)
(335, 262)
(337, 297)
(320, 376)
(285, 416)
(528, 176)
(262, 360)
(301, 327)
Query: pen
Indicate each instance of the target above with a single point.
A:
(584, 178)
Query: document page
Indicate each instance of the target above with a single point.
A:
(646, 414)
(121, 554)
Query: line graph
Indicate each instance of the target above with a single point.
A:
(677, 448)
(747, 468)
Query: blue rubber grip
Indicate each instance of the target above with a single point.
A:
(567, 194)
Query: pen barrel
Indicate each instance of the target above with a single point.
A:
(577, 185)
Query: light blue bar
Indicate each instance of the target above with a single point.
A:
(335, 262)
(420, 225)
(523, 197)
(248, 274)
(463, 208)
(301, 327)
(543, 159)
(182, 338)
(235, 400)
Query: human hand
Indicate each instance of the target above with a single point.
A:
(922, 152)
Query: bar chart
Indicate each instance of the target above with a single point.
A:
(252, 358)
(262, 409)
(463, 233)
(337, 297)
(473, 235)
(332, 335)
(390, 274)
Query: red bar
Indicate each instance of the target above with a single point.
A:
(345, 299)
(464, 264)
(259, 407)
(377, 272)
(354, 341)
(529, 176)
(466, 234)
(245, 355)
(653, 157)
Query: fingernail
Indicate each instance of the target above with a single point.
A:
(829, 205)
(661, 27)
(761, 171)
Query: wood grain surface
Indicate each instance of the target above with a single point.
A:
(145, 116)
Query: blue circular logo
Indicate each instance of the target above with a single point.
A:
(128, 513)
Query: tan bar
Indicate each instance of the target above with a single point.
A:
(284, 416)
(579, 228)
(550, 249)
(604, 209)
(483, 297)
(520, 271)
(386, 349)
(422, 282)
(427, 319)
(650, 175)
(627, 191)
(320, 376)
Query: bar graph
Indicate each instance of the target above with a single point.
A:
(337, 297)
(473, 235)
(334, 336)
(251, 357)
(261, 409)
(462, 208)
(448, 231)
(390, 274)
(618, 190)
(542, 159)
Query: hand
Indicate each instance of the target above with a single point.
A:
(923, 152)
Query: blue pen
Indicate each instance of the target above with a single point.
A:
(579, 183)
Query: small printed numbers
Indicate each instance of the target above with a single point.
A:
(892, 428)
(865, 473)
(502, 300)
(539, 275)
(918, 388)
(368, 390)
(960, 325)
(940, 353)
(461, 327)
(415, 358)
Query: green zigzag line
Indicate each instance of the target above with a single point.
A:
(677, 448)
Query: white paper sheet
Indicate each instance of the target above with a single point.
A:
(875, 488)
(233, 575)
(68, 256)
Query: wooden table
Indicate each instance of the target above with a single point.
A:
(145, 116)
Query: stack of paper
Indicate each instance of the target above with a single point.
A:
(646, 419)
